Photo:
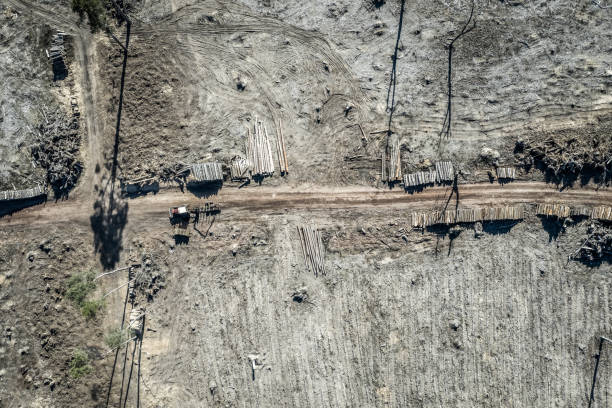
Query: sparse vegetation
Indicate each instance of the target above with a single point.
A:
(79, 287)
(115, 338)
(94, 9)
(79, 365)
(90, 308)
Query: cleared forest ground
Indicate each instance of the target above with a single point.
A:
(496, 316)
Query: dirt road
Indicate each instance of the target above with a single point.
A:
(256, 201)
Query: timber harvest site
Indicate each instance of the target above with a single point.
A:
(315, 203)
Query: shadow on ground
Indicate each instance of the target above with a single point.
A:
(204, 190)
(107, 222)
(10, 207)
(499, 227)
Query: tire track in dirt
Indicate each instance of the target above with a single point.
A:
(85, 51)
(59, 19)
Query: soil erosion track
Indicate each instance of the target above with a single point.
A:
(254, 202)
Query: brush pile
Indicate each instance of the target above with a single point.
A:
(598, 245)
(56, 149)
(567, 155)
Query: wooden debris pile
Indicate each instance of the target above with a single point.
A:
(312, 249)
(281, 152)
(506, 173)
(571, 152)
(467, 215)
(239, 168)
(258, 150)
(597, 246)
(445, 172)
(57, 150)
(33, 192)
(202, 173)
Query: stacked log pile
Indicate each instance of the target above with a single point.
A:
(502, 213)
(312, 249)
(420, 178)
(467, 215)
(395, 163)
(206, 172)
(506, 173)
(602, 213)
(57, 150)
(445, 172)
(582, 211)
(57, 53)
(281, 152)
(239, 168)
(22, 194)
(258, 150)
(554, 210)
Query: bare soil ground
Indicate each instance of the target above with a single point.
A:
(403, 317)
(40, 327)
(392, 324)
(211, 66)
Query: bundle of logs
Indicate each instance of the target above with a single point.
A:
(312, 248)
(56, 149)
(602, 213)
(506, 173)
(281, 152)
(466, 215)
(258, 150)
(394, 171)
(239, 168)
(420, 178)
(445, 171)
(554, 210)
(597, 246)
(33, 192)
(206, 172)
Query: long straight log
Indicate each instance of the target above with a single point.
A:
(279, 153)
(283, 147)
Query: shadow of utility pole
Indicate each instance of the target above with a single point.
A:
(110, 211)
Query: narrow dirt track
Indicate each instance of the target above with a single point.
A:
(258, 201)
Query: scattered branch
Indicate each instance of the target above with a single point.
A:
(598, 4)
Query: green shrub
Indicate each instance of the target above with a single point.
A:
(90, 308)
(79, 365)
(94, 9)
(115, 338)
(80, 286)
